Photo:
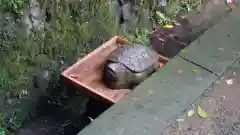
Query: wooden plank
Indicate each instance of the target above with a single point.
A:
(155, 102)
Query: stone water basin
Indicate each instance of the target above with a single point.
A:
(86, 73)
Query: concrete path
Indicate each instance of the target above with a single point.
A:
(222, 104)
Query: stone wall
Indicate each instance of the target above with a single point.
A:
(35, 50)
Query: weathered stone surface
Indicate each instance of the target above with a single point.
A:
(155, 102)
(217, 48)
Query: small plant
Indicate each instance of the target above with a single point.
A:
(190, 5)
(163, 19)
(12, 6)
(140, 35)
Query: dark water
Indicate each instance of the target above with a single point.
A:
(63, 114)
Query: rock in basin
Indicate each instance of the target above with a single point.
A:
(86, 73)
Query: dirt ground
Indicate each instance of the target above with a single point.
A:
(222, 104)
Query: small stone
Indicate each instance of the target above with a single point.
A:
(61, 62)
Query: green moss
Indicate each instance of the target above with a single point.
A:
(69, 34)
(13, 6)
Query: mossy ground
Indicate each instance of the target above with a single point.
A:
(73, 31)
(69, 34)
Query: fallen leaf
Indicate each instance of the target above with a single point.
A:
(234, 74)
(201, 112)
(178, 24)
(190, 113)
(182, 50)
(169, 26)
(195, 70)
(229, 81)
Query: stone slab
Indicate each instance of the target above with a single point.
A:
(154, 103)
(218, 48)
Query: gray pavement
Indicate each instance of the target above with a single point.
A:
(222, 104)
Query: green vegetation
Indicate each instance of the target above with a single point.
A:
(70, 33)
(13, 6)
(139, 36)
(161, 16)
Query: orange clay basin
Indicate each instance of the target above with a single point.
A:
(86, 73)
